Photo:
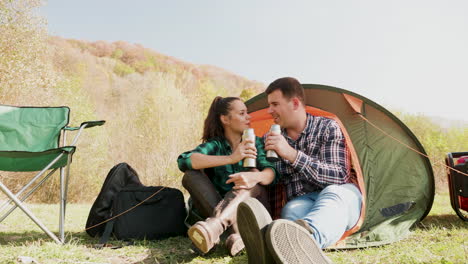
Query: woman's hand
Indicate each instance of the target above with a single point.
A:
(245, 149)
(242, 180)
(248, 179)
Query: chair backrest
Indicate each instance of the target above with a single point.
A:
(31, 129)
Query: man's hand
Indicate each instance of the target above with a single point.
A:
(243, 180)
(277, 142)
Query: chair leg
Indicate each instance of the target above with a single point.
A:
(37, 176)
(64, 175)
(24, 197)
(62, 205)
(28, 213)
(18, 200)
(33, 180)
(67, 178)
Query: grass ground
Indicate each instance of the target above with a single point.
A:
(441, 238)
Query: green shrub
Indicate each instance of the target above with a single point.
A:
(123, 69)
(117, 54)
(247, 93)
(143, 66)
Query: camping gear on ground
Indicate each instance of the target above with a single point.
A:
(127, 209)
(458, 182)
(30, 141)
(158, 217)
(397, 183)
(119, 176)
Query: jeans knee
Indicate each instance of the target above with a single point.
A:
(287, 213)
(332, 189)
(292, 210)
(339, 193)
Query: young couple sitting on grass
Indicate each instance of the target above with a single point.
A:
(314, 166)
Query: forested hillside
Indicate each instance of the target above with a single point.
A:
(154, 104)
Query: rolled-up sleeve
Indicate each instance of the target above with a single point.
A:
(185, 163)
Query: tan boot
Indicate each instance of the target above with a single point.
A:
(205, 234)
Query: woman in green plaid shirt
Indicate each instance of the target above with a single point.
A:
(215, 177)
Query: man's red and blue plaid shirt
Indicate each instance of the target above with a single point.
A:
(322, 158)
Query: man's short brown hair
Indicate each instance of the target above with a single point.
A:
(290, 87)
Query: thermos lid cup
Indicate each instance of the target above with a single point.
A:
(275, 127)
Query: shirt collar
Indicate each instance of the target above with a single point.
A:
(309, 120)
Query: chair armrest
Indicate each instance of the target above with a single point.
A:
(88, 125)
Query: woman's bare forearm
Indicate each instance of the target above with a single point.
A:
(202, 161)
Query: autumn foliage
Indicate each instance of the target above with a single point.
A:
(154, 104)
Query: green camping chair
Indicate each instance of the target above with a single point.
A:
(30, 141)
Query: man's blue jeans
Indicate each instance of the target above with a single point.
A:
(329, 212)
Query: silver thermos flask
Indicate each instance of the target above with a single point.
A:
(271, 155)
(249, 134)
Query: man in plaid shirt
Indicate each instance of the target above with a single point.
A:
(322, 202)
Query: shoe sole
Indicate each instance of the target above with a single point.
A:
(252, 220)
(291, 243)
(197, 235)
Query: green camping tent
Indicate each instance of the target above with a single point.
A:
(397, 182)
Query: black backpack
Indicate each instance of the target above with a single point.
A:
(153, 212)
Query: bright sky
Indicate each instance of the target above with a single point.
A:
(410, 55)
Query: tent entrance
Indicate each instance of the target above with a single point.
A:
(261, 122)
